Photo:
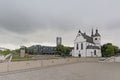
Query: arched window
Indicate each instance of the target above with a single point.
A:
(81, 46)
(77, 46)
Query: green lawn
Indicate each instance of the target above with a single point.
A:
(18, 58)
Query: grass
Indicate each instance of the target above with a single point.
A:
(18, 58)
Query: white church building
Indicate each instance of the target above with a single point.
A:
(87, 46)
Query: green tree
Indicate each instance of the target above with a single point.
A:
(67, 51)
(1, 52)
(108, 50)
(5, 52)
(62, 50)
(116, 50)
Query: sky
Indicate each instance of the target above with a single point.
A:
(30, 22)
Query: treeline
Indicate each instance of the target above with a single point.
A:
(5, 52)
(109, 50)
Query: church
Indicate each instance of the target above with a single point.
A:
(87, 46)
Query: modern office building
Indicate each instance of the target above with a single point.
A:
(42, 49)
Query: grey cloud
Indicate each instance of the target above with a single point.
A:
(43, 20)
(25, 19)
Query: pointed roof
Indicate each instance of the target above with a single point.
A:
(92, 34)
(97, 34)
(85, 36)
(79, 31)
(88, 38)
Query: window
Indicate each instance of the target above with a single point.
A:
(77, 47)
(94, 52)
(81, 46)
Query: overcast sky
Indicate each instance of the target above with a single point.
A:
(27, 22)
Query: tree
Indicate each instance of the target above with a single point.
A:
(116, 50)
(67, 51)
(108, 50)
(1, 51)
(5, 52)
(62, 50)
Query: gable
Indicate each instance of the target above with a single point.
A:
(79, 39)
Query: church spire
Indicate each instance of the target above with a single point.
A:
(92, 33)
(96, 30)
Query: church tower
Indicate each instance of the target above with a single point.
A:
(97, 38)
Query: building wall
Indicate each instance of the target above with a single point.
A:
(80, 52)
(98, 41)
(42, 49)
(90, 53)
